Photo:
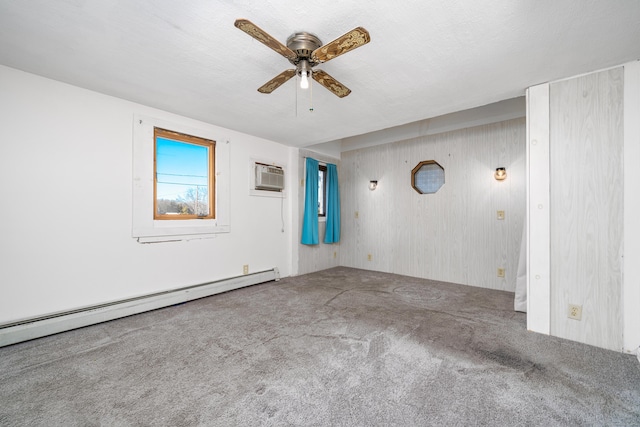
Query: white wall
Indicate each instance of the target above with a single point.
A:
(453, 235)
(66, 194)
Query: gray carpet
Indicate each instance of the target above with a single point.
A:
(341, 347)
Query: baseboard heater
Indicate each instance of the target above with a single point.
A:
(27, 329)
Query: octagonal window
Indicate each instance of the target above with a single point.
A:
(427, 177)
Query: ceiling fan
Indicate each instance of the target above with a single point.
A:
(305, 51)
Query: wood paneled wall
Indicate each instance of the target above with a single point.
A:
(453, 235)
(586, 173)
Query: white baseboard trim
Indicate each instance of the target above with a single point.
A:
(24, 330)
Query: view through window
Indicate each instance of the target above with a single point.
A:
(183, 176)
(322, 190)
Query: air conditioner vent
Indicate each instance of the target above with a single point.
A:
(270, 178)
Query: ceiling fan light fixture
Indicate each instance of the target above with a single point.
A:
(305, 73)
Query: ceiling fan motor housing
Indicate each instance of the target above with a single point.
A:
(303, 44)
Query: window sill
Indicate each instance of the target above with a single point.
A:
(169, 231)
(175, 238)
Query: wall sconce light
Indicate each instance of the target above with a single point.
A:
(501, 173)
(373, 185)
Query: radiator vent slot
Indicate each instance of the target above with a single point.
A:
(270, 178)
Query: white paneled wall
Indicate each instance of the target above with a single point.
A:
(586, 158)
(593, 133)
(453, 235)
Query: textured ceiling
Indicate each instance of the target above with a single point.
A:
(425, 58)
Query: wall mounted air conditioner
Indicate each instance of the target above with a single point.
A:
(270, 178)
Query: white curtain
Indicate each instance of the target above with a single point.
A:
(520, 303)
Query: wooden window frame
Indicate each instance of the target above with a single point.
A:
(188, 139)
(417, 168)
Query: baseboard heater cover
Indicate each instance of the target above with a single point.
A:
(28, 329)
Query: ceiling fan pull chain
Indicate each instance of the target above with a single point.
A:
(311, 95)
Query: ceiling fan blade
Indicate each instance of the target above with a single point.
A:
(343, 44)
(330, 83)
(263, 37)
(277, 81)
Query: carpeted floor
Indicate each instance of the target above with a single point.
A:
(341, 347)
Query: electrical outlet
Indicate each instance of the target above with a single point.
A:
(369, 257)
(357, 214)
(500, 214)
(245, 269)
(575, 312)
(500, 272)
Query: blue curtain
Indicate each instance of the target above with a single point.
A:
(332, 234)
(310, 219)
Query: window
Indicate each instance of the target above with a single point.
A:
(164, 210)
(427, 177)
(321, 202)
(322, 190)
(183, 176)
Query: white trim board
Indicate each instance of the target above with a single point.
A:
(538, 214)
(631, 212)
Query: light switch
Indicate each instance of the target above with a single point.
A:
(500, 214)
